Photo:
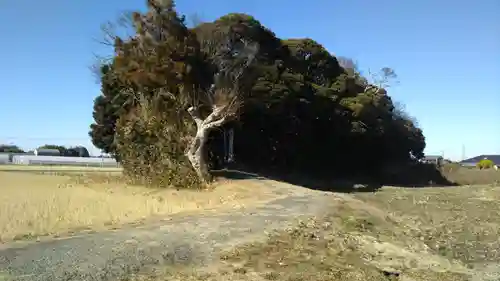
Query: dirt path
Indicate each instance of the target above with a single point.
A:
(182, 240)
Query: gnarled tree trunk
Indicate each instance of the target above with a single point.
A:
(197, 152)
(233, 60)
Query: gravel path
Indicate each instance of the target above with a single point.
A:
(182, 240)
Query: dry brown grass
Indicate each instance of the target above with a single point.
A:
(473, 175)
(34, 204)
(395, 234)
(461, 223)
(57, 168)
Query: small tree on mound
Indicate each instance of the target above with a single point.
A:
(485, 164)
(169, 83)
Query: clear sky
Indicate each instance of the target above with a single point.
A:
(446, 52)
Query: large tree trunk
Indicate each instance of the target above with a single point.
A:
(197, 152)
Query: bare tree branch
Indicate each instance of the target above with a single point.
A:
(384, 78)
(195, 20)
(195, 114)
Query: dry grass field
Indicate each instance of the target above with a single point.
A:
(43, 202)
(405, 234)
(418, 234)
(463, 176)
(56, 168)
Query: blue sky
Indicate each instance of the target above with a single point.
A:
(447, 55)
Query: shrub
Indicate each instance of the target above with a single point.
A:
(485, 164)
(152, 148)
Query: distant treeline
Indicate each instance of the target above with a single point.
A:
(48, 149)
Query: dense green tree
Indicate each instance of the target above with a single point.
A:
(107, 108)
(62, 149)
(77, 151)
(170, 91)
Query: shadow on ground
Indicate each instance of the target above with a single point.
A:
(410, 177)
(344, 186)
(419, 175)
(413, 178)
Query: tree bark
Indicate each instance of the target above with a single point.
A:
(197, 152)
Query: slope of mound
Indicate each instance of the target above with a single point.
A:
(394, 234)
